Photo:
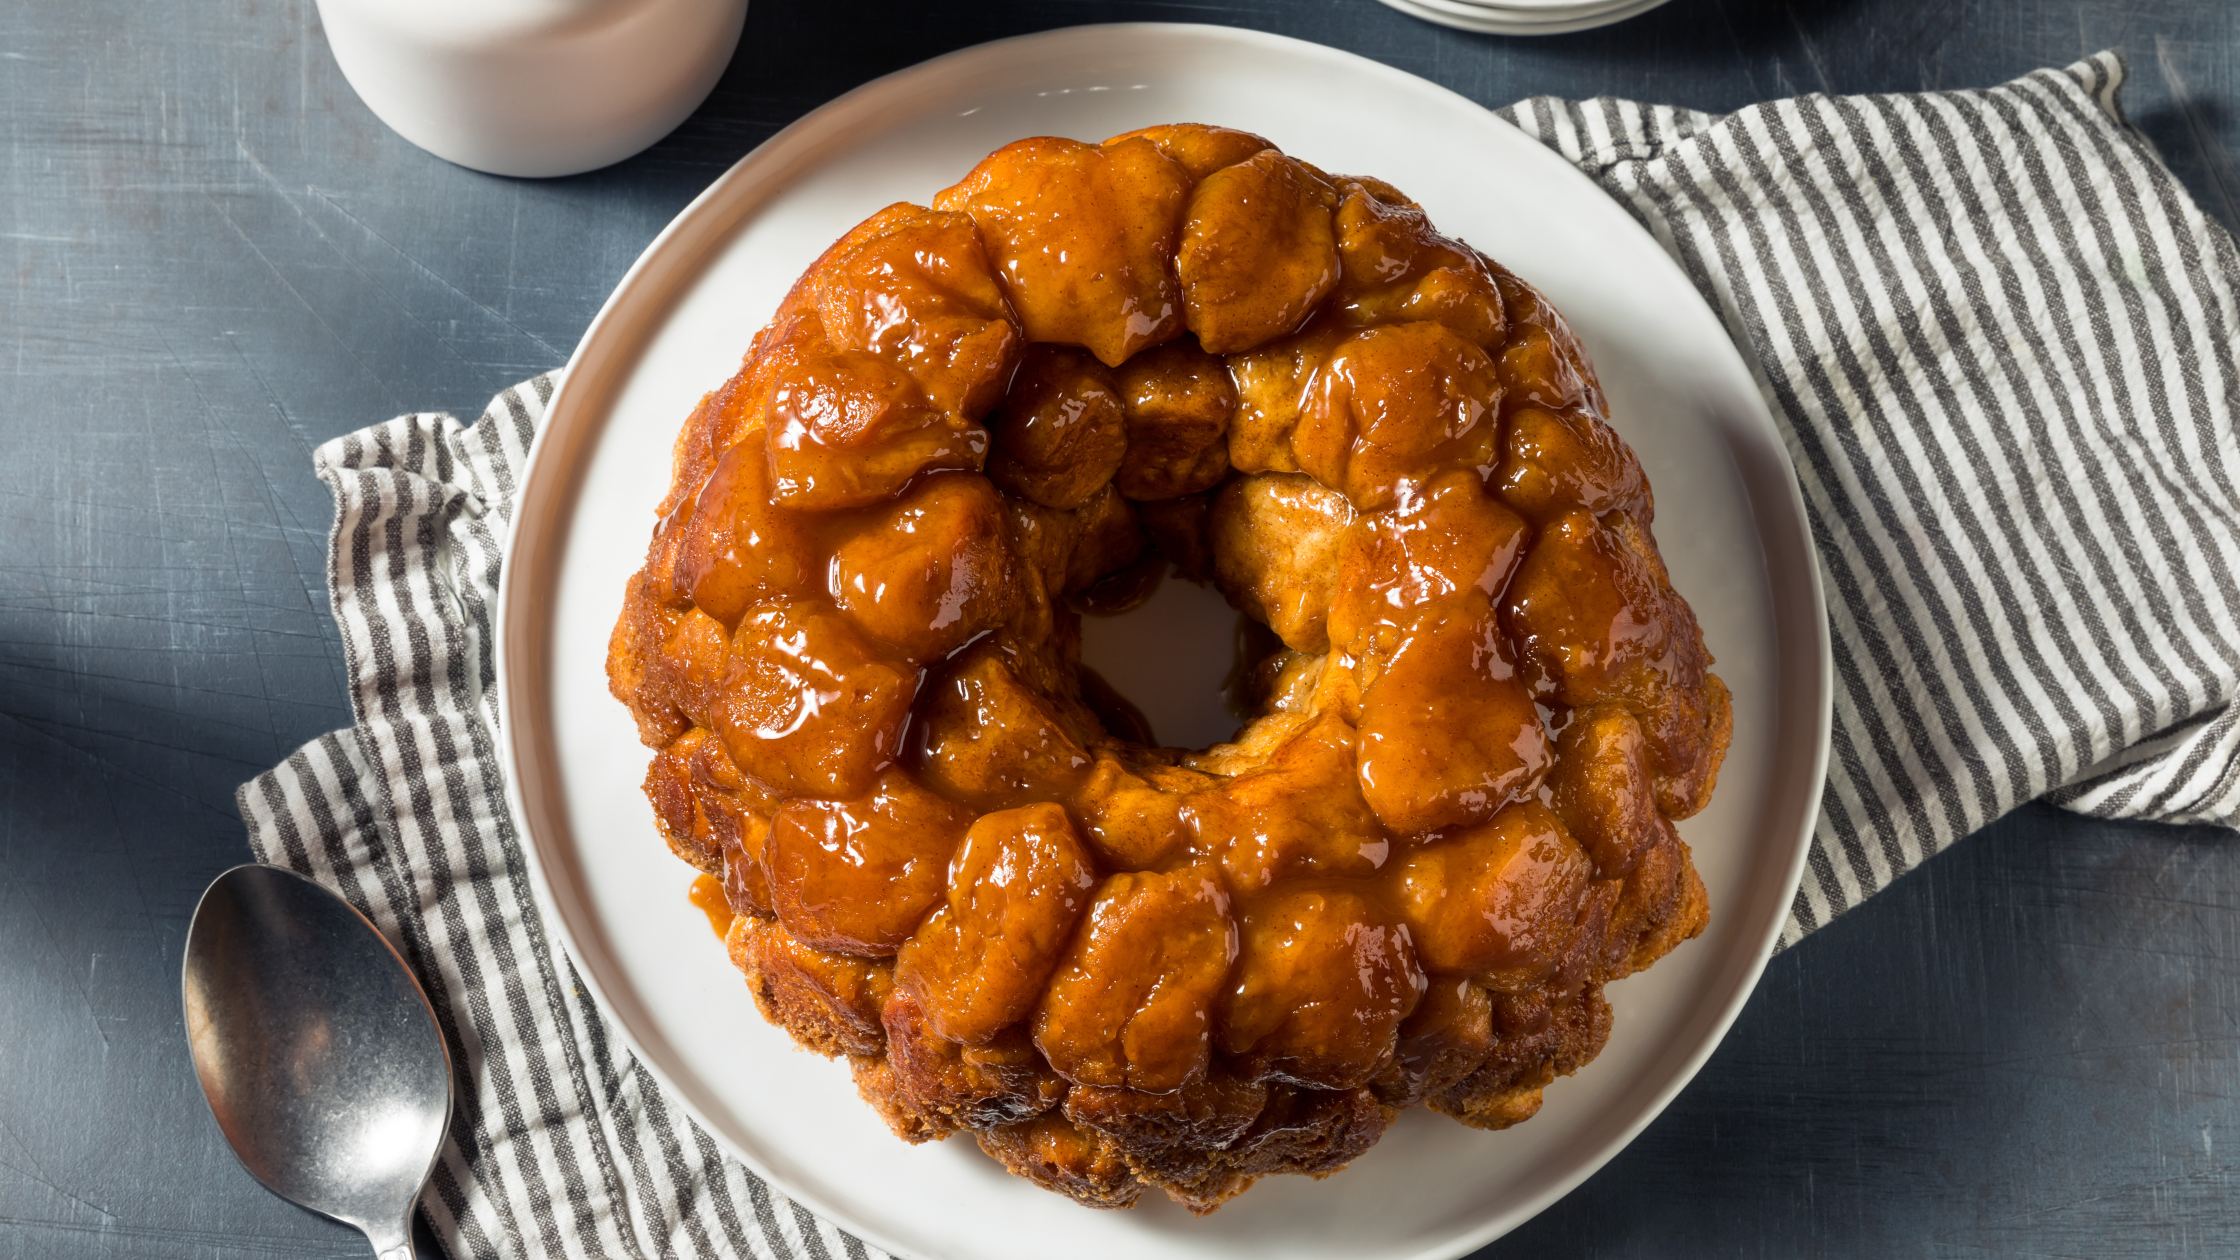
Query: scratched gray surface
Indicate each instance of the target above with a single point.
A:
(215, 258)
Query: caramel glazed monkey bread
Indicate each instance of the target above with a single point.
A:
(952, 856)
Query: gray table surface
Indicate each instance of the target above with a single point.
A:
(217, 258)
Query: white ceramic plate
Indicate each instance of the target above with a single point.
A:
(1543, 13)
(1550, 7)
(1729, 518)
(1537, 20)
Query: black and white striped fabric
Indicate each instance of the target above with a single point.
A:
(2000, 342)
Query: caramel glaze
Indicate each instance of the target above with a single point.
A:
(855, 647)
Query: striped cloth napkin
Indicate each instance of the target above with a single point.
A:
(1999, 340)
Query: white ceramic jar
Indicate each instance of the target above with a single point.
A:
(533, 87)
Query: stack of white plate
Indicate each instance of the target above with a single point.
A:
(1524, 17)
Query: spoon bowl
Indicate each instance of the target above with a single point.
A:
(317, 1050)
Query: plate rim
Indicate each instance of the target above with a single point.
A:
(547, 478)
(1495, 22)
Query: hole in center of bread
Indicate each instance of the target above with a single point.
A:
(1170, 656)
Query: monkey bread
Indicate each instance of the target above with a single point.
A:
(955, 857)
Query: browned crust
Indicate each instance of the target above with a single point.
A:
(829, 1003)
(1054, 1154)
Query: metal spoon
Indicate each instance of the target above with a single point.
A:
(317, 1050)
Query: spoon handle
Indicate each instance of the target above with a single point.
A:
(394, 1243)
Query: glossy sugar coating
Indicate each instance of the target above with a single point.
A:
(950, 854)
